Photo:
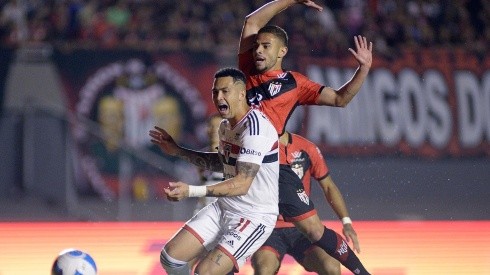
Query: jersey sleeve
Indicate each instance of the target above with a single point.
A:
(309, 91)
(258, 140)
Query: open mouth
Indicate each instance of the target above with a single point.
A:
(259, 60)
(222, 108)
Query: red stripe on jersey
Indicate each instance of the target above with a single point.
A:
(234, 149)
(247, 222)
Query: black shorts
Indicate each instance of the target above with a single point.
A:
(287, 240)
(294, 204)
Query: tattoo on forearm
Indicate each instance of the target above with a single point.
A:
(244, 170)
(208, 161)
(247, 169)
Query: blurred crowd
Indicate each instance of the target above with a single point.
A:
(213, 26)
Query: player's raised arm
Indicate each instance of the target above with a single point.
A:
(260, 17)
(206, 160)
(341, 97)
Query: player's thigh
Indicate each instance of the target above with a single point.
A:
(265, 262)
(317, 260)
(216, 262)
(312, 227)
(295, 206)
(184, 246)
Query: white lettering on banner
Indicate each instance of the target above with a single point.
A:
(486, 103)
(440, 123)
(413, 106)
(470, 109)
(408, 106)
(388, 114)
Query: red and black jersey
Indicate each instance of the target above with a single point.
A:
(306, 160)
(277, 93)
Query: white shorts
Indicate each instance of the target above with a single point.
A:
(235, 235)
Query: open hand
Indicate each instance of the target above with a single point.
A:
(177, 191)
(363, 52)
(166, 143)
(351, 235)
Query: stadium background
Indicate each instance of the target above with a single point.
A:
(82, 82)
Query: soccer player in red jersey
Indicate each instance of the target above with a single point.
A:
(277, 92)
(307, 161)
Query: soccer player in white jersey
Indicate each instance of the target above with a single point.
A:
(234, 226)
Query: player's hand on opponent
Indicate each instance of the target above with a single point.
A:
(166, 143)
(310, 3)
(363, 52)
(177, 191)
(351, 235)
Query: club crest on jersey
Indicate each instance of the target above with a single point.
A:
(297, 168)
(227, 152)
(303, 196)
(274, 88)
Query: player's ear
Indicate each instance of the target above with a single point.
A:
(283, 51)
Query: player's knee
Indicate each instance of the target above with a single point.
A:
(173, 266)
(311, 229)
(264, 264)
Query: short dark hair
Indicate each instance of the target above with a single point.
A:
(276, 31)
(235, 73)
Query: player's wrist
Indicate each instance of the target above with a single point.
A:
(197, 191)
(346, 220)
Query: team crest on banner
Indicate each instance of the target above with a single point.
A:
(127, 99)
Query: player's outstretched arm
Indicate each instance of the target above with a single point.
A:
(364, 56)
(336, 200)
(260, 17)
(206, 160)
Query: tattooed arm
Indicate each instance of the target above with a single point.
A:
(205, 160)
(236, 186)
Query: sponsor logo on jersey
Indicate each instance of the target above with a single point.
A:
(234, 235)
(230, 243)
(282, 75)
(250, 152)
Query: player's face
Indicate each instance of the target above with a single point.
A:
(227, 96)
(268, 52)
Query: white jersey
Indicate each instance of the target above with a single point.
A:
(253, 139)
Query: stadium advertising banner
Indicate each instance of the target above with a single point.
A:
(387, 247)
(115, 98)
(431, 102)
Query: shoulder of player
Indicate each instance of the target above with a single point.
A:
(257, 118)
(303, 142)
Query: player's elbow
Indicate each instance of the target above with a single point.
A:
(251, 24)
(341, 101)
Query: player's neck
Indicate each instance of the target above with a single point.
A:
(284, 138)
(239, 116)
